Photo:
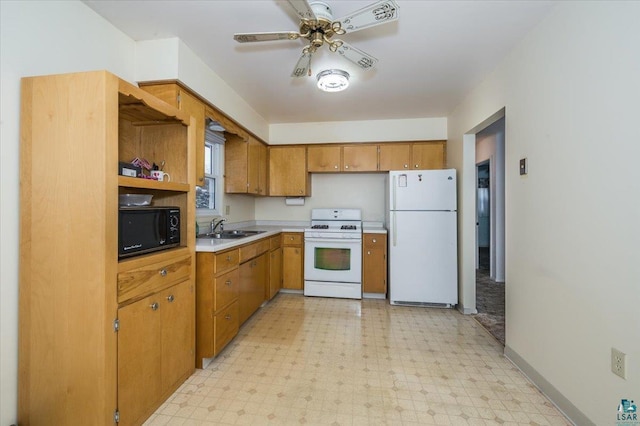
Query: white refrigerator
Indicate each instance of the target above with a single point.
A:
(423, 256)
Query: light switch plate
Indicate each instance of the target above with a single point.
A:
(523, 166)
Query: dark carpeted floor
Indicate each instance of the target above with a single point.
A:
(490, 304)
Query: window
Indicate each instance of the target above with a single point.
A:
(209, 195)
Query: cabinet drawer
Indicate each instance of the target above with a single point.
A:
(226, 260)
(274, 242)
(292, 239)
(226, 327)
(152, 277)
(253, 250)
(374, 240)
(226, 289)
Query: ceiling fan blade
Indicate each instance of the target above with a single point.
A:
(303, 10)
(251, 37)
(357, 56)
(377, 13)
(303, 66)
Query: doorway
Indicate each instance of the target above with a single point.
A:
(483, 223)
(490, 241)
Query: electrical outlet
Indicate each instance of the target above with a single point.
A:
(618, 363)
(227, 210)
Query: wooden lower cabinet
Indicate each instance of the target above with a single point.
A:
(226, 324)
(217, 290)
(155, 341)
(374, 263)
(253, 281)
(293, 261)
(275, 267)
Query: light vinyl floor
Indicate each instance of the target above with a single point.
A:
(319, 361)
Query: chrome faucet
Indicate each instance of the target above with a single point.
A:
(215, 225)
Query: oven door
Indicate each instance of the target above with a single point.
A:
(333, 260)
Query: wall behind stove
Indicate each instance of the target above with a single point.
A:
(334, 190)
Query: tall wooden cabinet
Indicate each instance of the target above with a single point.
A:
(88, 333)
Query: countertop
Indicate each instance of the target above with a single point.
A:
(213, 245)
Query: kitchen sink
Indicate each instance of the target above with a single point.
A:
(230, 235)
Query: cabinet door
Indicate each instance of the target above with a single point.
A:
(288, 174)
(177, 308)
(253, 281)
(139, 359)
(428, 155)
(292, 268)
(195, 108)
(395, 156)
(226, 326)
(360, 158)
(324, 158)
(374, 273)
(275, 272)
(236, 160)
(257, 167)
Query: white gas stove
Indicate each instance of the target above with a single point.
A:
(333, 254)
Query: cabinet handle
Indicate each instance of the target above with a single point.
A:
(163, 272)
(300, 191)
(291, 238)
(227, 317)
(346, 167)
(416, 166)
(368, 252)
(154, 306)
(228, 258)
(374, 240)
(406, 166)
(335, 167)
(228, 282)
(170, 298)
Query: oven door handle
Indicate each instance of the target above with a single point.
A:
(332, 240)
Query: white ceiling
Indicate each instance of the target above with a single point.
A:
(429, 59)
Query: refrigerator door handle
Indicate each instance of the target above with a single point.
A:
(394, 229)
(393, 185)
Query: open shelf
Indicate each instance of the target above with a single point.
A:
(131, 182)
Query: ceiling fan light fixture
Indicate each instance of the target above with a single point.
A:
(333, 80)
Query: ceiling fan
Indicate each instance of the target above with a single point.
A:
(318, 27)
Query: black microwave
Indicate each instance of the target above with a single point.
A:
(147, 229)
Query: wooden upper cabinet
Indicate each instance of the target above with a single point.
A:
(342, 158)
(178, 97)
(395, 156)
(360, 158)
(288, 176)
(428, 155)
(245, 164)
(324, 158)
(257, 167)
(236, 155)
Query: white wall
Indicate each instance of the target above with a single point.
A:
(358, 190)
(571, 93)
(359, 131)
